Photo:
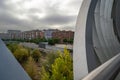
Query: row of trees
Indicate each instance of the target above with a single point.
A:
(44, 66)
(37, 40)
(51, 41)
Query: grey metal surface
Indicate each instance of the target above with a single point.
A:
(107, 71)
(10, 69)
(79, 49)
(97, 35)
(92, 59)
(116, 17)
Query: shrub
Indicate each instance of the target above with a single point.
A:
(50, 59)
(62, 68)
(21, 54)
(32, 69)
(36, 54)
(12, 47)
(56, 40)
(65, 40)
(51, 42)
(44, 74)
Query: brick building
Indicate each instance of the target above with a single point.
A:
(4, 36)
(17, 34)
(33, 34)
(14, 34)
(63, 35)
(48, 33)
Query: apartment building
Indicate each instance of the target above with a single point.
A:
(63, 35)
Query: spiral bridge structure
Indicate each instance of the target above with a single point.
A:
(97, 35)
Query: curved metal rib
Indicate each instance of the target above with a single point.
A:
(107, 71)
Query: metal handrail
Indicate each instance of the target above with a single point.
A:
(107, 71)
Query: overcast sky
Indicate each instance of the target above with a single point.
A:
(38, 14)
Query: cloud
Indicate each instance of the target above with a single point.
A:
(38, 14)
(57, 19)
